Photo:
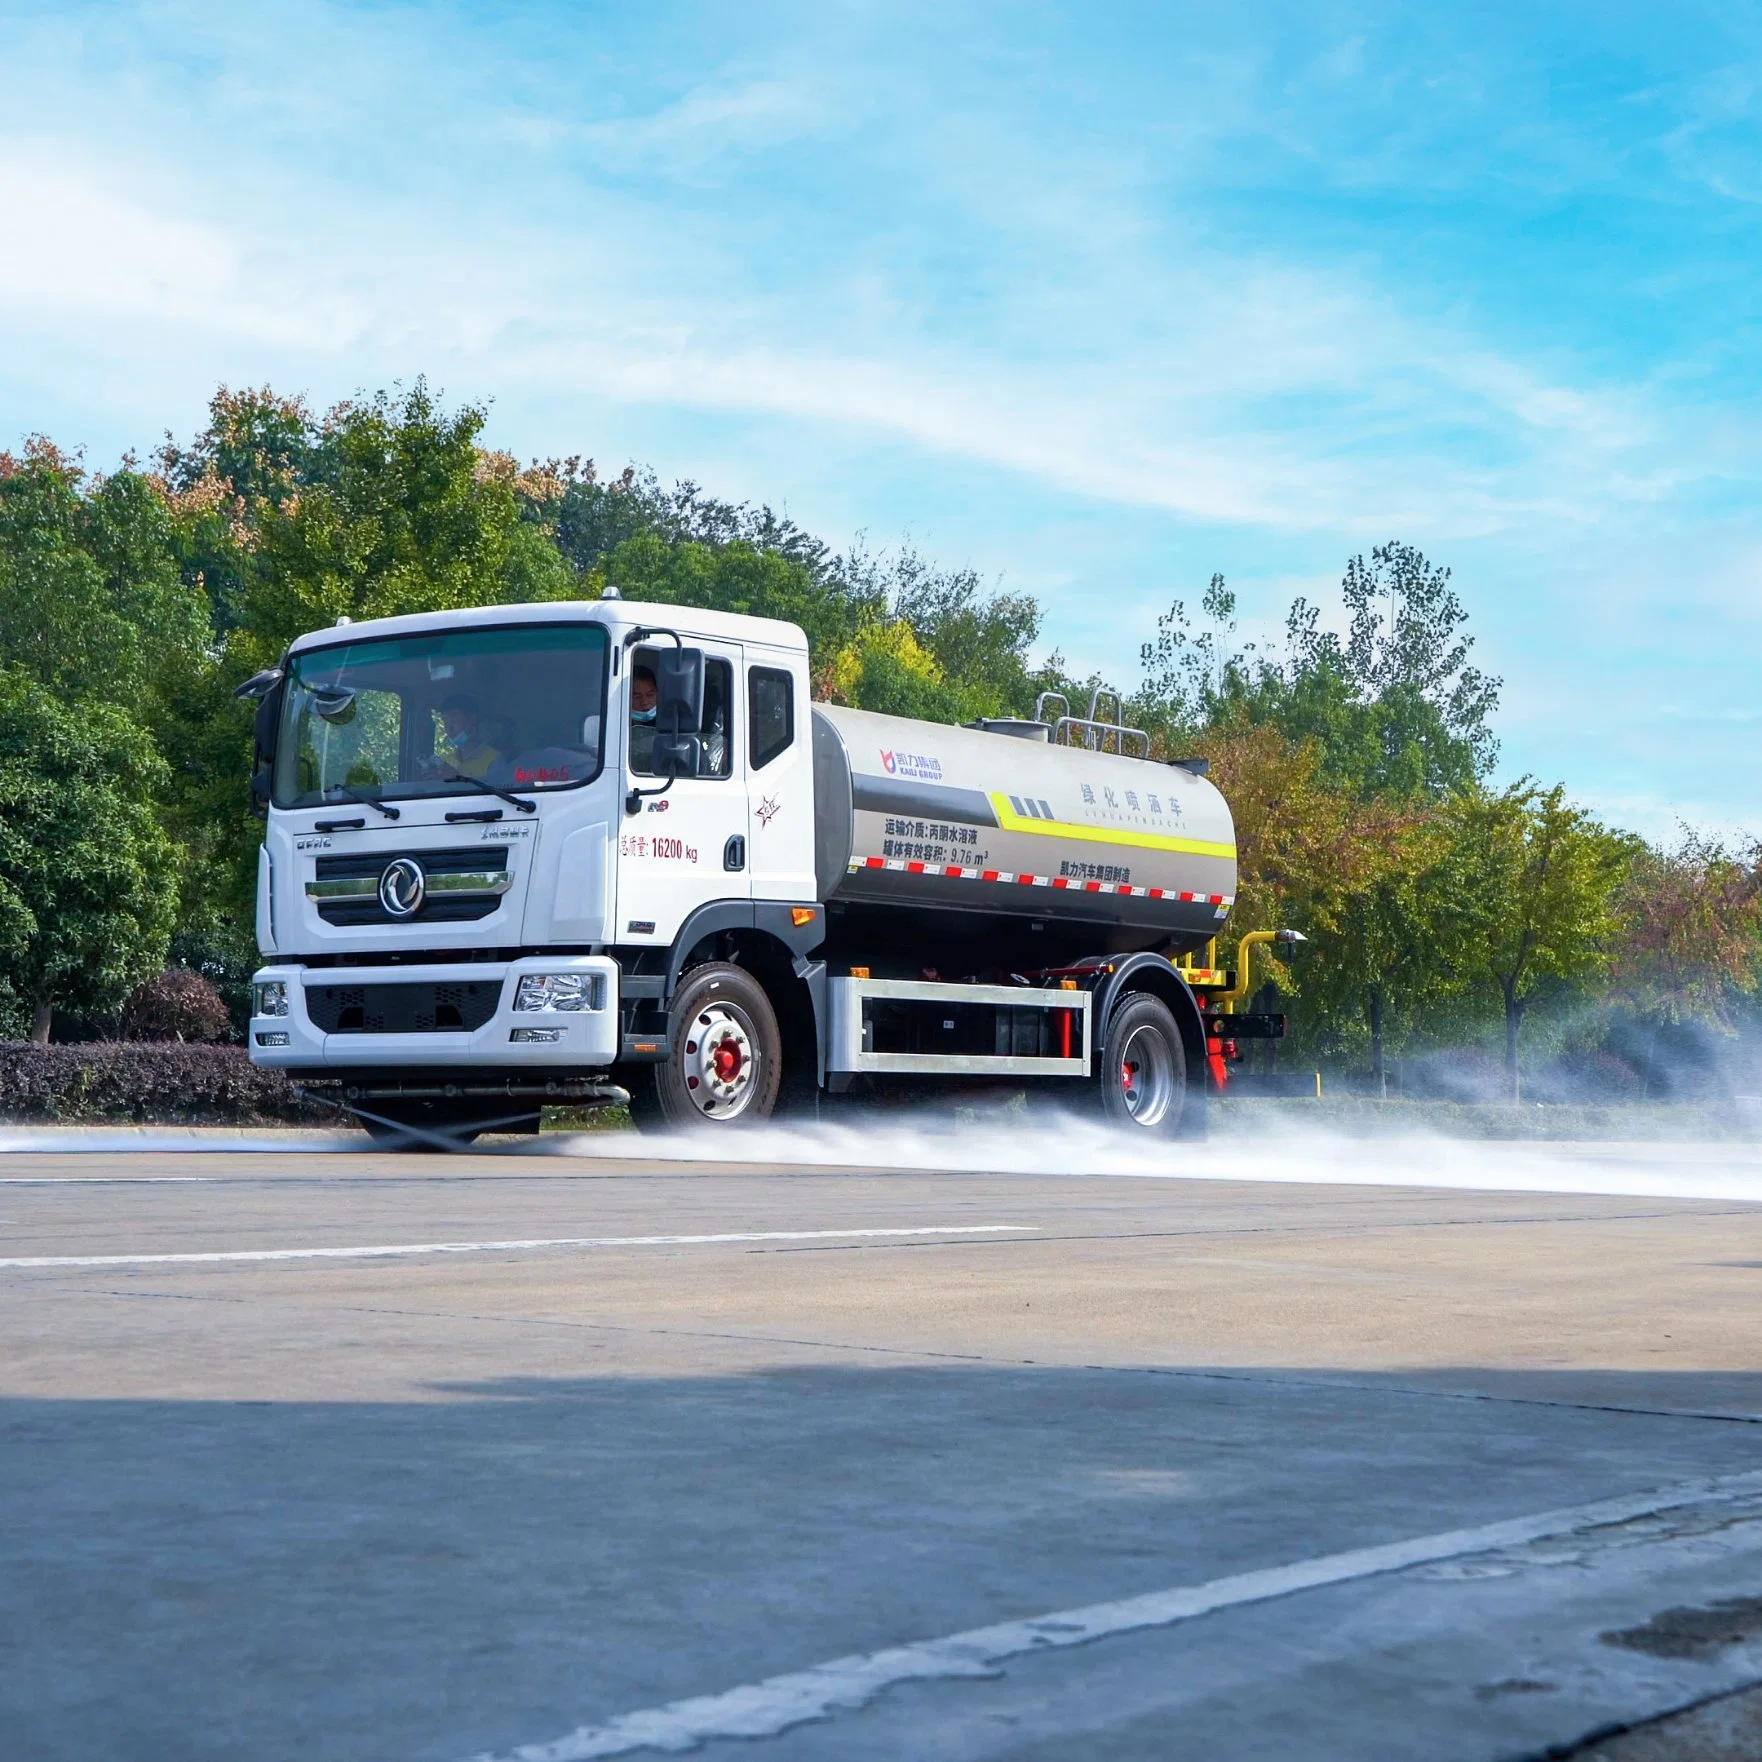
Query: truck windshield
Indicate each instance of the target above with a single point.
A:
(520, 707)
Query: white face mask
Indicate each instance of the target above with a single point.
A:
(647, 715)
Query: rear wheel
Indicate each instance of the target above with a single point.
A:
(1144, 1067)
(725, 1055)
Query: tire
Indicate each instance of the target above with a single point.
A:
(725, 1058)
(645, 1105)
(1143, 1078)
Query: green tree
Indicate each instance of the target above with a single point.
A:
(1531, 883)
(88, 880)
(1390, 944)
(681, 546)
(257, 449)
(56, 622)
(1194, 679)
(90, 604)
(394, 509)
(980, 639)
(736, 577)
(1358, 877)
(885, 668)
(93, 607)
(1392, 701)
(593, 518)
(1691, 933)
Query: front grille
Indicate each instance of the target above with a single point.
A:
(463, 885)
(402, 1009)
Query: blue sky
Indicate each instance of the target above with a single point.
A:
(1095, 299)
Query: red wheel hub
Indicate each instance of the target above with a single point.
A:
(725, 1060)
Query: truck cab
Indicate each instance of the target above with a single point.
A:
(485, 837)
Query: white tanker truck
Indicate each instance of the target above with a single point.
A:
(577, 853)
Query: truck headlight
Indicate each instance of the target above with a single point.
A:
(272, 997)
(560, 991)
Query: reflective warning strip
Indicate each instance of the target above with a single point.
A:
(954, 872)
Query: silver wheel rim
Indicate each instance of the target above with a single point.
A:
(719, 1061)
(1146, 1075)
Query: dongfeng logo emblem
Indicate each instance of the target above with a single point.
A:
(401, 887)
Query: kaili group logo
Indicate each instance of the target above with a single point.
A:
(916, 765)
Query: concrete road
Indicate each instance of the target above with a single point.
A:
(623, 1458)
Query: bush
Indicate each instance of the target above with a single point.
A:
(175, 1005)
(152, 1083)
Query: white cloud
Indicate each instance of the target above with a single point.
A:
(1295, 402)
(1115, 349)
(839, 254)
(1167, 421)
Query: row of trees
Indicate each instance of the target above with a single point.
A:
(1357, 761)
(1359, 765)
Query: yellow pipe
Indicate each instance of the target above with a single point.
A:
(1253, 940)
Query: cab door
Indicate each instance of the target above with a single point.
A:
(687, 843)
(780, 775)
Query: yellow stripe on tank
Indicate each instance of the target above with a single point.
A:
(1010, 821)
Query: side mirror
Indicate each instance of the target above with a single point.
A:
(678, 755)
(260, 785)
(268, 719)
(679, 691)
(259, 685)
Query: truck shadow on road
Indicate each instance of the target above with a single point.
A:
(213, 1578)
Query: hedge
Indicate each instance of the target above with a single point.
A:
(146, 1083)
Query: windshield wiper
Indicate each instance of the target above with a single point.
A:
(519, 801)
(361, 795)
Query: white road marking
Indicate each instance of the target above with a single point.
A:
(107, 1180)
(764, 1709)
(237, 1254)
(179, 1140)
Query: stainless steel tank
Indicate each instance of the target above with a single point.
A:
(921, 814)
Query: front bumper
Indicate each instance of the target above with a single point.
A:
(587, 1038)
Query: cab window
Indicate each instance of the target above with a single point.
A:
(770, 714)
(715, 740)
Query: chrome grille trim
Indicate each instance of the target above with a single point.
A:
(483, 884)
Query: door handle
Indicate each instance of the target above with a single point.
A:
(734, 853)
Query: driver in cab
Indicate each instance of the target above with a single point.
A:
(643, 697)
(463, 744)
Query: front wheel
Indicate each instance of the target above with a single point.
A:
(1143, 1067)
(725, 1057)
